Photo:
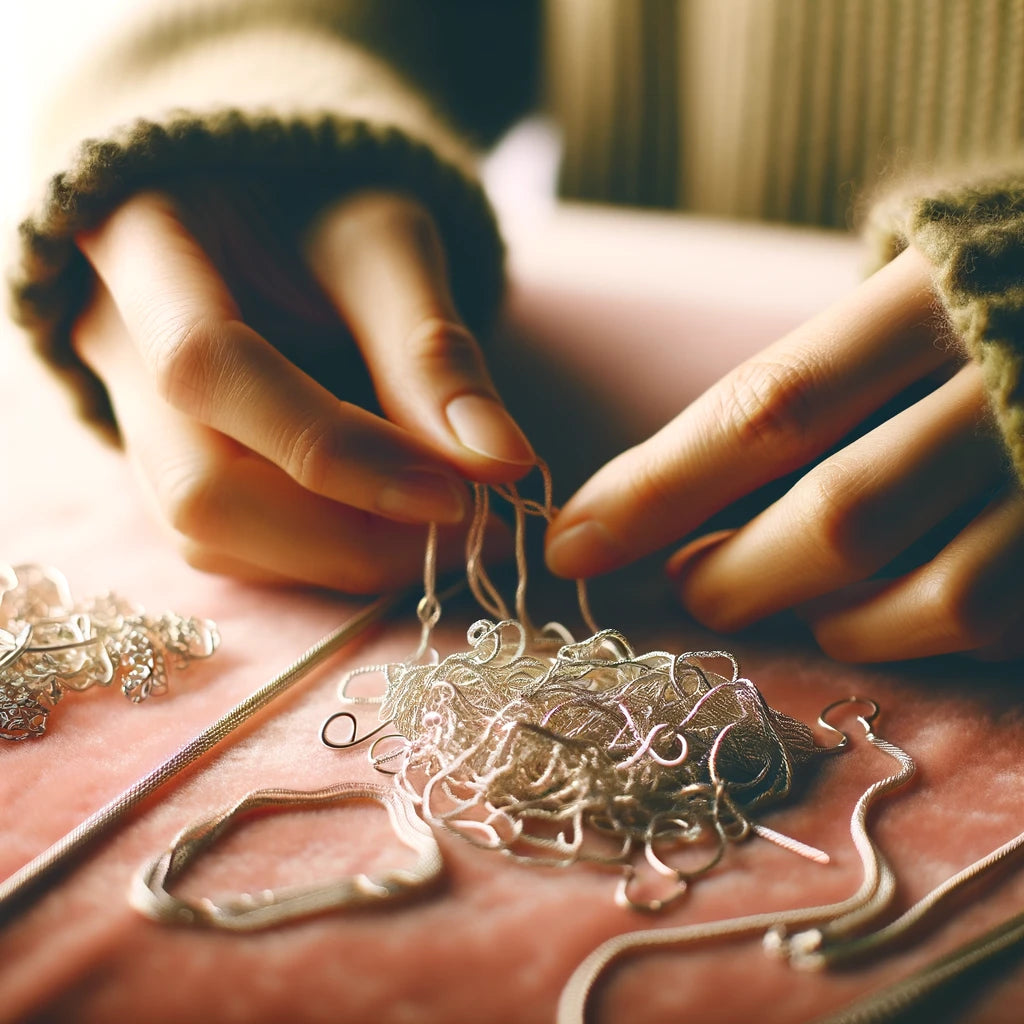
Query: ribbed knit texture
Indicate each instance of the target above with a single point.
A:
(974, 236)
(311, 162)
(288, 103)
(791, 110)
(771, 109)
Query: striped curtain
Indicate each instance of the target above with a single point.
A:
(778, 109)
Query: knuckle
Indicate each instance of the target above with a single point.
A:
(192, 498)
(959, 616)
(841, 520)
(437, 344)
(311, 454)
(769, 406)
(185, 357)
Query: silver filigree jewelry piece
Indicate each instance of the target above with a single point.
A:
(51, 644)
(555, 751)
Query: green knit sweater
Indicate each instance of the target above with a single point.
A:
(244, 90)
(780, 109)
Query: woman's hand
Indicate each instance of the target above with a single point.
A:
(820, 547)
(227, 349)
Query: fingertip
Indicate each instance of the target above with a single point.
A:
(584, 549)
(845, 626)
(842, 645)
(711, 600)
(484, 427)
(685, 560)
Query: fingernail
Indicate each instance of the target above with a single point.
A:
(683, 560)
(420, 496)
(483, 426)
(583, 550)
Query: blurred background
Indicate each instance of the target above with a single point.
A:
(39, 40)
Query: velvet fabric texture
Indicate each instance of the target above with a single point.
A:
(973, 234)
(495, 941)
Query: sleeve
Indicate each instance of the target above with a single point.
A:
(286, 91)
(973, 235)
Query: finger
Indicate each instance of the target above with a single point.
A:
(232, 511)
(204, 560)
(216, 370)
(771, 415)
(968, 598)
(239, 510)
(379, 259)
(852, 514)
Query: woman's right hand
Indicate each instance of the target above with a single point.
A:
(260, 469)
(900, 538)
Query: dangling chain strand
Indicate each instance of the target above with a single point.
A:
(480, 583)
(573, 1000)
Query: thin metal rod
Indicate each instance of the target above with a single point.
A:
(27, 882)
(895, 1001)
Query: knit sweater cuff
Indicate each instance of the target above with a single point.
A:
(973, 234)
(309, 116)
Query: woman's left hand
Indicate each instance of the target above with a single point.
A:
(820, 548)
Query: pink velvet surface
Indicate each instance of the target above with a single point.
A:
(615, 321)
